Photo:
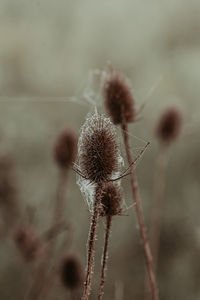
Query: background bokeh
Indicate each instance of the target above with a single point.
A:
(52, 54)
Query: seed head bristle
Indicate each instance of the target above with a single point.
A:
(98, 149)
(118, 99)
(111, 200)
(71, 273)
(169, 125)
(27, 243)
(65, 149)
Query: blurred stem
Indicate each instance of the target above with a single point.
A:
(60, 196)
(41, 281)
(156, 215)
(105, 256)
(143, 233)
(91, 243)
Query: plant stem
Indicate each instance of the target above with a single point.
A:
(143, 233)
(155, 223)
(60, 197)
(105, 256)
(91, 243)
(156, 215)
(41, 282)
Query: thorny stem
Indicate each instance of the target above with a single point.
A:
(105, 256)
(143, 233)
(91, 243)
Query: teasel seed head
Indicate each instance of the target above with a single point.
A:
(169, 126)
(118, 99)
(8, 191)
(71, 274)
(111, 201)
(98, 149)
(65, 149)
(28, 243)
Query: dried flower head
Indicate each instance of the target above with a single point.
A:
(65, 149)
(111, 200)
(169, 125)
(27, 243)
(119, 101)
(71, 273)
(8, 192)
(98, 149)
(7, 188)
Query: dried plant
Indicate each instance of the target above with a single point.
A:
(8, 192)
(169, 125)
(71, 274)
(117, 94)
(65, 152)
(111, 205)
(99, 160)
(167, 131)
(65, 149)
(125, 105)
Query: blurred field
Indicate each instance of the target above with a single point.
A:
(48, 50)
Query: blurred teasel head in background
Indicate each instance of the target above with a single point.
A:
(65, 149)
(169, 125)
(8, 191)
(71, 273)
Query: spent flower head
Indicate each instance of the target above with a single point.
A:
(98, 149)
(65, 149)
(118, 99)
(111, 201)
(71, 274)
(169, 125)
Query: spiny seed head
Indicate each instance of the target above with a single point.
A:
(27, 243)
(71, 273)
(169, 125)
(98, 149)
(65, 149)
(119, 101)
(111, 200)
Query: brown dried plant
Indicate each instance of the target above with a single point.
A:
(9, 206)
(111, 205)
(117, 94)
(99, 161)
(71, 274)
(167, 131)
(65, 151)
